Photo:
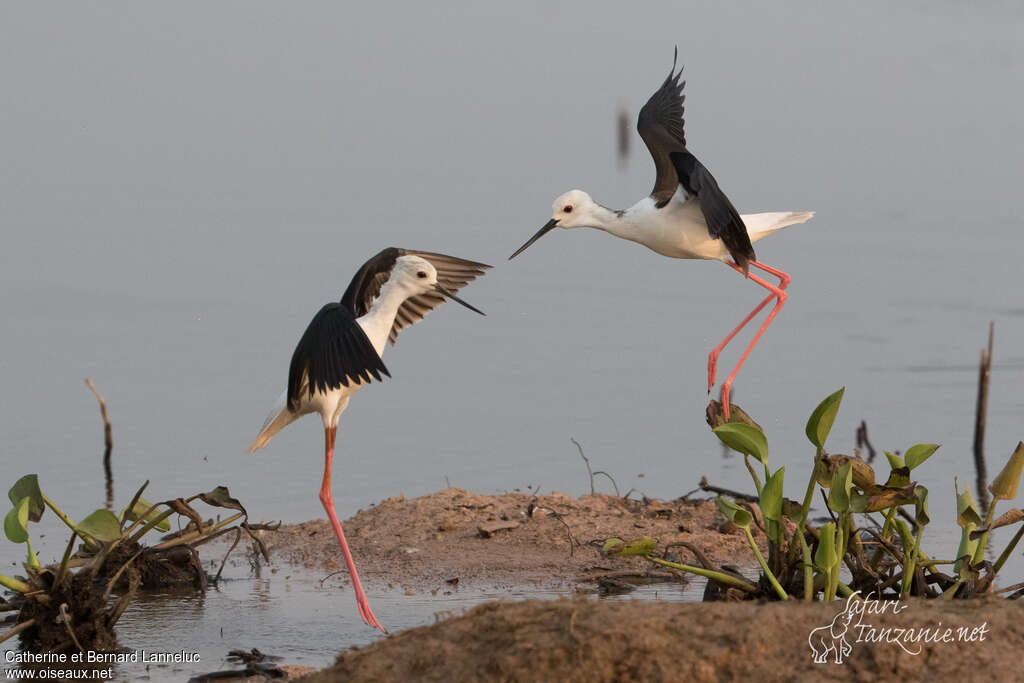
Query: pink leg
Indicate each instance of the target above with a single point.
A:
(328, 501)
(779, 295)
(713, 356)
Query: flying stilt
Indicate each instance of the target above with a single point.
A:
(686, 216)
(341, 350)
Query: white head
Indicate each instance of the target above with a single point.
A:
(574, 209)
(414, 274)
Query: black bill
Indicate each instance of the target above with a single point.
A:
(540, 233)
(445, 292)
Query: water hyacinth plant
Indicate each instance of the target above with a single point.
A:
(875, 529)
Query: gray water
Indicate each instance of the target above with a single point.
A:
(184, 186)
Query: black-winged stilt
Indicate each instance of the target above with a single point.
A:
(340, 352)
(686, 216)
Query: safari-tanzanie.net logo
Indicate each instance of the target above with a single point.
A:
(855, 624)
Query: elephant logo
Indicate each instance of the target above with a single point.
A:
(831, 639)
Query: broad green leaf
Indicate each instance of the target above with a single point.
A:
(141, 506)
(641, 546)
(16, 522)
(733, 512)
(916, 455)
(906, 538)
(744, 439)
(28, 486)
(921, 506)
(611, 544)
(895, 461)
(966, 549)
(102, 525)
(966, 509)
(825, 554)
(820, 422)
(771, 496)
(839, 492)
(1004, 487)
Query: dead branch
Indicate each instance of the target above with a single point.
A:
(863, 442)
(108, 443)
(586, 461)
(614, 485)
(705, 486)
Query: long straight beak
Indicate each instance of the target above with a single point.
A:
(540, 233)
(445, 292)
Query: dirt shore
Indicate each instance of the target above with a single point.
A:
(551, 540)
(595, 640)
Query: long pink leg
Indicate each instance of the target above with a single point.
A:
(779, 295)
(365, 612)
(713, 356)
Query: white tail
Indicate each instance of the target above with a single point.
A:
(763, 224)
(279, 418)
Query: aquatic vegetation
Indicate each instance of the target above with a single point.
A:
(874, 530)
(69, 605)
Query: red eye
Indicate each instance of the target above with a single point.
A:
(567, 209)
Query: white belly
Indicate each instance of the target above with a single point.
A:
(678, 230)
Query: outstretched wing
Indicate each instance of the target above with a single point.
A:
(662, 128)
(452, 274)
(333, 351)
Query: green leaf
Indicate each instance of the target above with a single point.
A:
(744, 439)
(895, 461)
(898, 478)
(825, 554)
(141, 506)
(733, 512)
(1005, 485)
(967, 513)
(640, 547)
(771, 496)
(921, 506)
(28, 486)
(839, 491)
(820, 422)
(906, 538)
(916, 455)
(16, 522)
(966, 549)
(102, 525)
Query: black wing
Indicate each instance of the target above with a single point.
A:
(452, 274)
(662, 128)
(333, 351)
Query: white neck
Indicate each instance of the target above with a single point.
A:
(378, 320)
(616, 223)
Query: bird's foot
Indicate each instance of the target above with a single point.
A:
(366, 613)
(725, 400)
(712, 368)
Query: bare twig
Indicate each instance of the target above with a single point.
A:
(705, 486)
(614, 485)
(863, 442)
(23, 626)
(135, 499)
(568, 531)
(108, 442)
(586, 461)
(66, 618)
(117, 574)
(981, 410)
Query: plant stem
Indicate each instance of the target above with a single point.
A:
(193, 535)
(806, 507)
(764, 565)
(808, 570)
(64, 518)
(720, 577)
(753, 474)
(1009, 549)
(908, 568)
(14, 584)
(64, 560)
(979, 552)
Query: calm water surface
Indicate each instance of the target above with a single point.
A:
(184, 187)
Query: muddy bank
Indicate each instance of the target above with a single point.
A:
(591, 640)
(551, 540)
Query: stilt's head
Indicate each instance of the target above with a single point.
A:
(574, 209)
(416, 275)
